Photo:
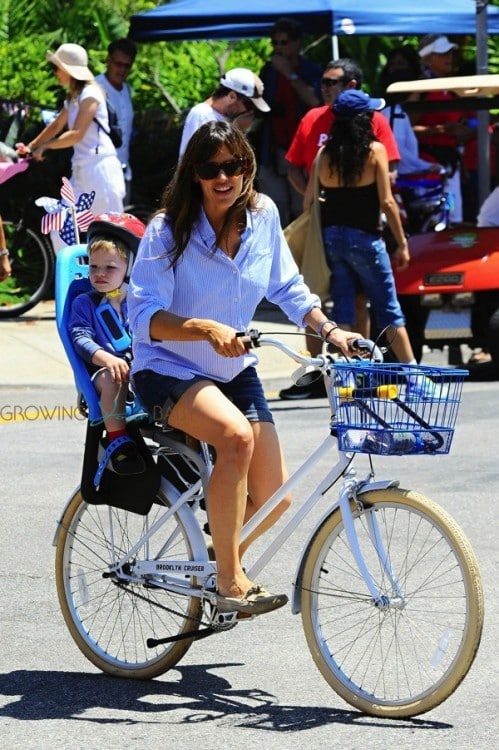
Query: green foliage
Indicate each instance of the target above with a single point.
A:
(168, 77)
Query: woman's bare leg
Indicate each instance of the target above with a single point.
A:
(266, 474)
(206, 414)
(400, 343)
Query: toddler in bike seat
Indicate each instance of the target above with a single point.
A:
(98, 325)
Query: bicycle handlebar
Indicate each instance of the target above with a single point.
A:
(256, 339)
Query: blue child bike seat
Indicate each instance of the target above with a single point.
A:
(71, 279)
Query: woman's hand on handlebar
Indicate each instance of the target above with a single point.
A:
(225, 340)
(342, 339)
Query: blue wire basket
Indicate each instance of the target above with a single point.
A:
(395, 410)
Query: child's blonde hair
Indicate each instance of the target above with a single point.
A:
(109, 245)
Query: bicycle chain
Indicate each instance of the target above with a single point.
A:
(197, 620)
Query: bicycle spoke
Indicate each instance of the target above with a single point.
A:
(110, 617)
(407, 650)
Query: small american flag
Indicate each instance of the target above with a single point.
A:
(60, 217)
(67, 192)
(54, 218)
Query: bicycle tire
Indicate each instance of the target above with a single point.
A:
(111, 621)
(32, 261)
(398, 661)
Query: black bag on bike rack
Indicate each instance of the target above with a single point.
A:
(135, 493)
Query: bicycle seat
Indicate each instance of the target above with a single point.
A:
(71, 279)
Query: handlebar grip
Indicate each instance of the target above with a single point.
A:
(251, 338)
(387, 391)
(368, 346)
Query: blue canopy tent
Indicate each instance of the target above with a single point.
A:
(229, 19)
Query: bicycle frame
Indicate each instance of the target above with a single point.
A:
(172, 571)
(387, 584)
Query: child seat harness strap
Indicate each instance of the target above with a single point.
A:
(111, 323)
(113, 445)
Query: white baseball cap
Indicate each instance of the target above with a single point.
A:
(243, 81)
(440, 45)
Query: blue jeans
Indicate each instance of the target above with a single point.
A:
(357, 258)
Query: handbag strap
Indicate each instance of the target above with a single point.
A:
(315, 174)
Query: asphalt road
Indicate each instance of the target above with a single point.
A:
(255, 686)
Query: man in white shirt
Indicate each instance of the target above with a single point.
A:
(236, 99)
(120, 58)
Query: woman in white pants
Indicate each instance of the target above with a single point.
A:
(82, 124)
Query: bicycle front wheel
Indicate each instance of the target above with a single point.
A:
(111, 618)
(32, 262)
(408, 651)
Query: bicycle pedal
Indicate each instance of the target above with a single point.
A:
(217, 620)
(223, 620)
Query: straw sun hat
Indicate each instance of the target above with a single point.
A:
(73, 59)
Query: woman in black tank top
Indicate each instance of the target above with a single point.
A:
(354, 188)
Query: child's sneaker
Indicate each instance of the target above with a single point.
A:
(125, 458)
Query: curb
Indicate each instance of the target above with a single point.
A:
(35, 356)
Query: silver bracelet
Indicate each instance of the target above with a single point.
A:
(4, 252)
(321, 327)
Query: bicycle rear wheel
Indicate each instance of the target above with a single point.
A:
(407, 654)
(112, 619)
(32, 261)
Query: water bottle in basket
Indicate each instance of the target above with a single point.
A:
(382, 442)
(388, 443)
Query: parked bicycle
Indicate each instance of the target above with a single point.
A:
(32, 256)
(387, 584)
(31, 253)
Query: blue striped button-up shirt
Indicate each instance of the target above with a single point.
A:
(206, 283)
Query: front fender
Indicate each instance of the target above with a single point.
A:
(298, 578)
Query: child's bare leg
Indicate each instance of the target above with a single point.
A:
(125, 458)
(112, 401)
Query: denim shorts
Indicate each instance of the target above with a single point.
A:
(160, 393)
(359, 258)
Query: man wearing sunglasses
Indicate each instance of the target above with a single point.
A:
(313, 130)
(291, 88)
(237, 99)
(312, 133)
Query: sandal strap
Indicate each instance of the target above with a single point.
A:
(113, 445)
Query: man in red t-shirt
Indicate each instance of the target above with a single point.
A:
(313, 130)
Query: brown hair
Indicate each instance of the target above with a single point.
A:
(182, 198)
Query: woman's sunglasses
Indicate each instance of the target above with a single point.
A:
(211, 169)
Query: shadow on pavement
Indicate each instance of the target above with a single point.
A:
(199, 695)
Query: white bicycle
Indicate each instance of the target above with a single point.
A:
(387, 585)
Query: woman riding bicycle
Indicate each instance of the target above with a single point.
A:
(210, 255)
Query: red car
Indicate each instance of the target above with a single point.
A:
(450, 291)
